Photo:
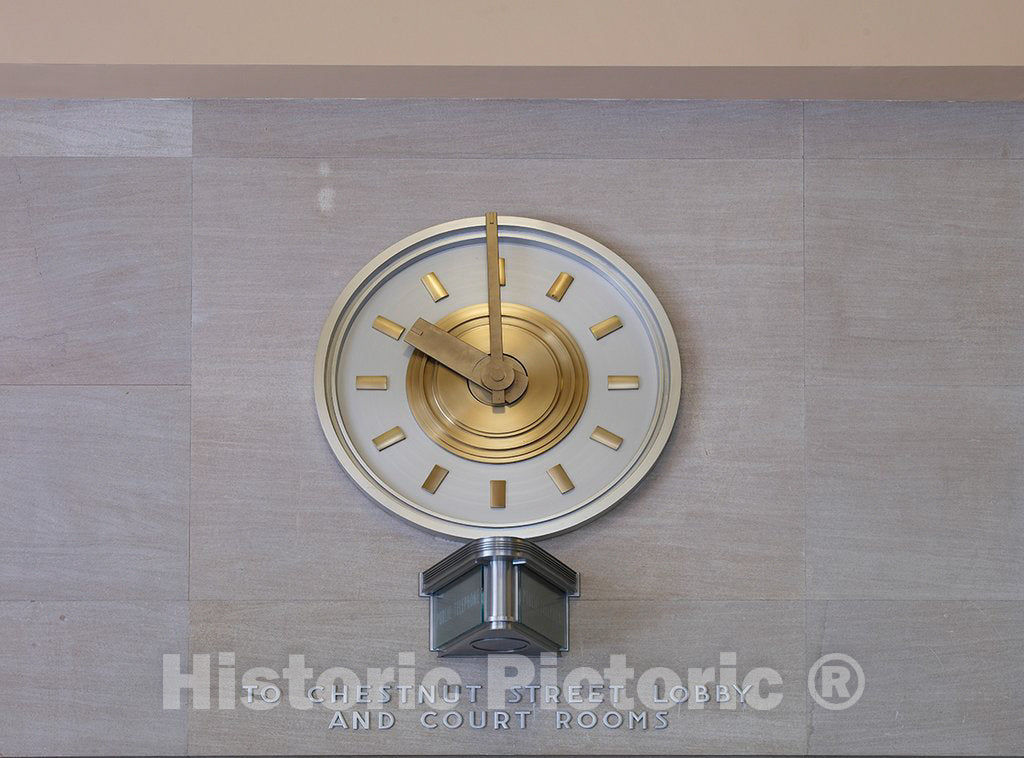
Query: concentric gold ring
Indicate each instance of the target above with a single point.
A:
(449, 412)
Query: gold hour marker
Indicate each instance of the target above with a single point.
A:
(609, 439)
(558, 288)
(560, 478)
(388, 327)
(434, 287)
(497, 493)
(606, 327)
(501, 272)
(434, 479)
(623, 382)
(389, 438)
(371, 382)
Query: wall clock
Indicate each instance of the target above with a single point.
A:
(497, 378)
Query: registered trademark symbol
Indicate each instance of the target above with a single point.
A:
(835, 681)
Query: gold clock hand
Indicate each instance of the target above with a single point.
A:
(496, 375)
(459, 356)
(447, 349)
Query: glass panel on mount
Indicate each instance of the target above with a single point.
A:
(458, 607)
(542, 607)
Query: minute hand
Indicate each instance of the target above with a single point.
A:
(497, 356)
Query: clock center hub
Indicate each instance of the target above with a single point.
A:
(536, 415)
(518, 381)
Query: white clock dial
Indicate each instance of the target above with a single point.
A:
(593, 402)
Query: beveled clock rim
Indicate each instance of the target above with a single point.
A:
(559, 523)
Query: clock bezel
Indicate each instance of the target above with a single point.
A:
(465, 231)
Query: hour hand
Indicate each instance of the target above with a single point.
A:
(447, 349)
(465, 360)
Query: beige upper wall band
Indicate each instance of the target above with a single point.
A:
(654, 33)
(806, 49)
(977, 83)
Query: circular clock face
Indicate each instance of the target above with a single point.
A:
(497, 375)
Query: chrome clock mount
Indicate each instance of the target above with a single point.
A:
(499, 380)
(499, 595)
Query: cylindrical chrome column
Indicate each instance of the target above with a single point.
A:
(500, 596)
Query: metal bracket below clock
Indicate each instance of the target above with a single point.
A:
(499, 595)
